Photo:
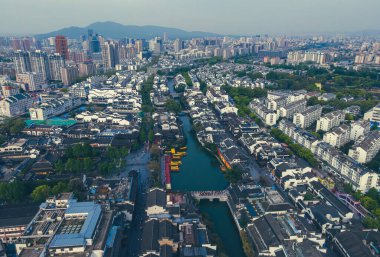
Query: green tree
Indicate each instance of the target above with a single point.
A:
(313, 101)
(87, 164)
(173, 106)
(349, 117)
(347, 187)
(59, 188)
(142, 136)
(40, 193)
(369, 222)
(151, 136)
(369, 203)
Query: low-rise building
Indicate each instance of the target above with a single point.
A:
(65, 227)
(359, 129)
(15, 105)
(33, 80)
(156, 202)
(346, 167)
(274, 236)
(80, 90)
(53, 108)
(330, 120)
(336, 162)
(338, 136)
(17, 145)
(309, 116)
(327, 97)
(289, 110)
(102, 96)
(14, 220)
(366, 148)
(268, 116)
(215, 94)
(10, 89)
(373, 115)
(160, 238)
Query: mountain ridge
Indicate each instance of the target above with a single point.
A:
(109, 29)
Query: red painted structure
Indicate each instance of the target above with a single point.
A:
(168, 182)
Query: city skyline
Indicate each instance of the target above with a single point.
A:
(224, 17)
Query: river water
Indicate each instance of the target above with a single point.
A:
(200, 171)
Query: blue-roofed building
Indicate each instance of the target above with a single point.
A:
(65, 227)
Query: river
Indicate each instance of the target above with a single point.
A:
(200, 171)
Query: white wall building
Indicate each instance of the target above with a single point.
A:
(338, 137)
(306, 118)
(15, 105)
(366, 148)
(373, 114)
(269, 117)
(34, 80)
(330, 120)
(53, 108)
(359, 129)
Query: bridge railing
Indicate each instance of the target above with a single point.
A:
(209, 194)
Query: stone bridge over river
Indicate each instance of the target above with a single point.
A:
(220, 195)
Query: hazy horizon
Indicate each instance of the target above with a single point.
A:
(241, 17)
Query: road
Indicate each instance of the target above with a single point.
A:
(137, 161)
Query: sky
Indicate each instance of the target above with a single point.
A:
(238, 17)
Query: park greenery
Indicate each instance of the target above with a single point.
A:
(203, 87)
(17, 192)
(297, 149)
(180, 88)
(374, 164)
(233, 176)
(370, 201)
(209, 61)
(146, 88)
(243, 96)
(173, 106)
(82, 158)
(154, 165)
(334, 80)
(188, 80)
(364, 103)
(10, 127)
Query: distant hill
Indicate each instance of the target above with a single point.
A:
(115, 30)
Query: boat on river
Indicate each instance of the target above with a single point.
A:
(174, 168)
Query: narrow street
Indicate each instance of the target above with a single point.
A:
(137, 161)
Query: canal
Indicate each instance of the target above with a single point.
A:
(200, 171)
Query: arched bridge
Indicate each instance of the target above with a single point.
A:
(221, 195)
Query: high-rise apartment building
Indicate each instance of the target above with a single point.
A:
(166, 37)
(86, 69)
(69, 75)
(33, 80)
(155, 45)
(178, 45)
(110, 54)
(21, 61)
(61, 46)
(139, 45)
(93, 42)
(56, 62)
(40, 63)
